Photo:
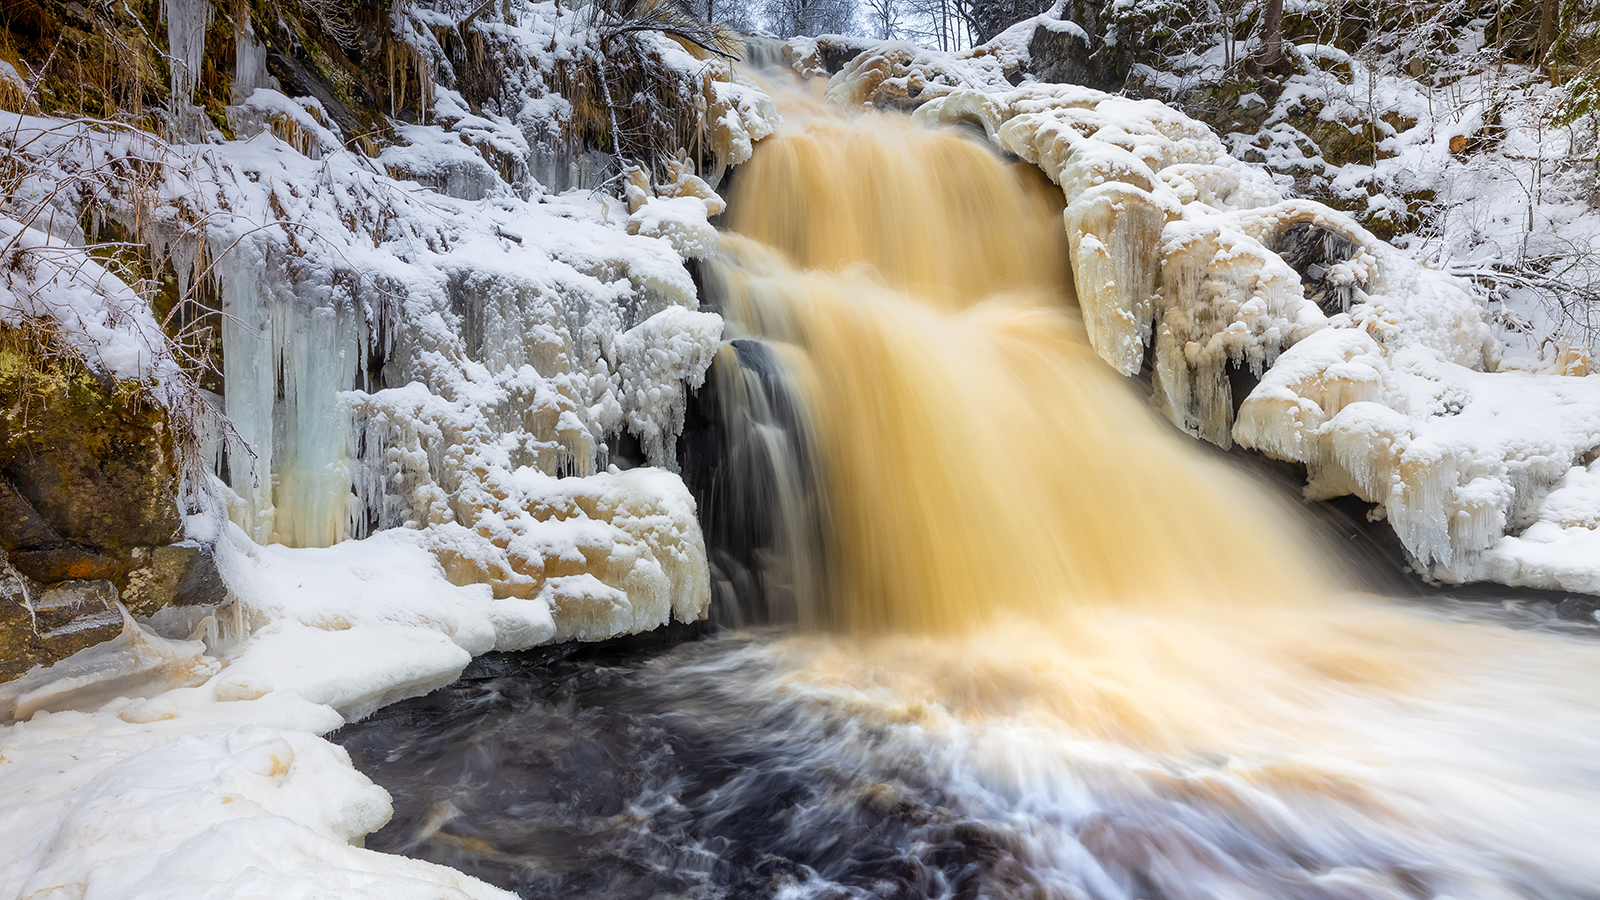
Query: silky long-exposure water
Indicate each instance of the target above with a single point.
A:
(1044, 648)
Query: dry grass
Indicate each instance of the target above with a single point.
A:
(94, 61)
(116, 195)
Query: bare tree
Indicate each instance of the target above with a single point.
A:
(943, 24)
(736, 14)
(788, 18)
(882, 18)
(1269, 58)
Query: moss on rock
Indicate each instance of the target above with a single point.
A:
(88, 477)
(93, 457)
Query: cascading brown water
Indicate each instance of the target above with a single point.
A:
(1015, 539)
(976, 455)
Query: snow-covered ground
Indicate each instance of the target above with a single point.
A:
(1500, 179)
(203, 773)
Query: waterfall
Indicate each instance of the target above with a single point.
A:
(974, 452)
(1048, 646)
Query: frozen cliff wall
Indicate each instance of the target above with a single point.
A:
(406, 324)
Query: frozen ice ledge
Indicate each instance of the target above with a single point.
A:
(1283, 325)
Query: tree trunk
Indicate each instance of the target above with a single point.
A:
(1549, 26)
(1270, 58)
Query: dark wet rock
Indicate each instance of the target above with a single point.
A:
(66, 562)
(88, 476)
(175, 575)
(745, 454)
(21, 526)
(1312, 252)
(93, 458)
(1062, 53)
(40, 625)
(1578, 608)
(835, 51)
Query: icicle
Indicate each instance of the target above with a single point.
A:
(250, 59)
(654, 360)
(311, 472)
(285, 359)
(187, 21)
(1115, 235)
(249, 371)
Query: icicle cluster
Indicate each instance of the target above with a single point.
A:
(187, 21)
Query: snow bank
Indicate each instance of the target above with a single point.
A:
(1469, 171)
(201, 802)
(1384, 383)
(191, 765)
(45, 279)
(1481, 474)
(195, 767)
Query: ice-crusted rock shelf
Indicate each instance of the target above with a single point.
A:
(1378, 374)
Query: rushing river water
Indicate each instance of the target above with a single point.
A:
(1031, 642)
(759, 763)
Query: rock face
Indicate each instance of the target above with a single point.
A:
(47, 624)
(87, 515)
(1063, 53)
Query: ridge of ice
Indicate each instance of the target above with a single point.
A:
(1394, 396)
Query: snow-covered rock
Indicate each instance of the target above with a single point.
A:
(401, 337)
(425, 355)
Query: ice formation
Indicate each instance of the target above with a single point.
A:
(427, 353)
(136, 663)
(406, 340)
(187, 21)
(677, 209)
(1481, 474)
(1386, 385)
